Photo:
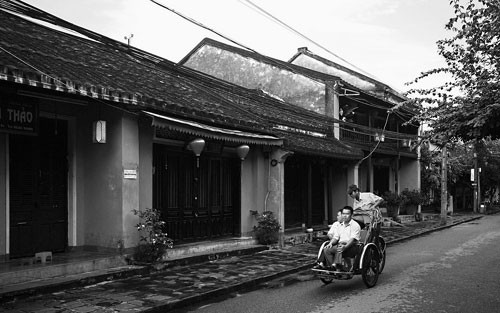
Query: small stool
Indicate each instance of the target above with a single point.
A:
(43, 257)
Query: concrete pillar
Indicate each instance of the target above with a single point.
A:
(130, 185)
(332, 104)
(276, 198)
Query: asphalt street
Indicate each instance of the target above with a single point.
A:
(180, 286)
(454, 270)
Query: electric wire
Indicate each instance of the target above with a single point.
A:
(193, 85)
(207, 90)
(378, 142)
(191, 20)
(274, 19)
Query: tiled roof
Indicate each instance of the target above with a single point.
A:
(43, 57)
(91, 65)
(286, 66)
(376, 89)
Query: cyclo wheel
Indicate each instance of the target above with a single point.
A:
(382, 262)
(384, 252)
(371, 267)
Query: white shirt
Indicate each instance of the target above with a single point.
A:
(366, 201)
(334, 229)
(348, 231)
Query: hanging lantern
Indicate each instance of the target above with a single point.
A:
(406, 143)
(242, 151)
(99, 132)
(379, 137)
(197, 146)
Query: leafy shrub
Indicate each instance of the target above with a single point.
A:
(393, 202)
(154, 242)
(267, 229)
(413, 197)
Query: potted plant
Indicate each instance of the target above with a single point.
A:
(412, 199)
(267, 229)
(393, 202)
(154, 242)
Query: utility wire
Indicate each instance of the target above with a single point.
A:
(191, 20)
(273, 18)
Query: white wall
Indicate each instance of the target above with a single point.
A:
(409, 174)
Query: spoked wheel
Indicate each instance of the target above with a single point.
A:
(384, 252)
(382, 262)
(371, 267)
(326, 281)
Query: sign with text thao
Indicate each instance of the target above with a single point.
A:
(19, 115)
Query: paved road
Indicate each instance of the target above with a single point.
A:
(454, 270)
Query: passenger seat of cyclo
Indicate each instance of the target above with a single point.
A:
(363, 224)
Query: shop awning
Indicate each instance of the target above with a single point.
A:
(212, 132)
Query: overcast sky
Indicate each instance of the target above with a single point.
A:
(393, 40)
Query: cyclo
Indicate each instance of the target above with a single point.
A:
(370, 260)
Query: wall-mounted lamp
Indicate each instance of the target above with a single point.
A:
(99, 132)
(242, 151)
(197, 146)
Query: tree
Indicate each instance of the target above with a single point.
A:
(467, 107)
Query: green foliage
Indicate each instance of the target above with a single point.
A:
(412, 197)
(490, 164)
(430, 173)
(393, 201)
(153, 241)
(466, 107)
(267, 229)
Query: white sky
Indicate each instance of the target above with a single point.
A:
(393, 40)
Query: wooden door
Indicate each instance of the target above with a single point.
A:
(197, 203)
(38, 190)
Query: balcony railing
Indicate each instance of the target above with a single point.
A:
(366, 135)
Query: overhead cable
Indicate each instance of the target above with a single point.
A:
(290, 28)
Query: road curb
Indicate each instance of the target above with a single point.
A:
(432, 230)
(224, 291)
(255, 282)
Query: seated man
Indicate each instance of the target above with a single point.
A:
(343, 243)
(335, 226)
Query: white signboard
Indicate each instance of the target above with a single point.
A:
(130, 174)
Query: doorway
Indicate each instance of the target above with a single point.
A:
(38, 181)
(380, 179)
(197, 202)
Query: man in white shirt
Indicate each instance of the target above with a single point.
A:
(335, 225)
(344, 242)
(364, 201)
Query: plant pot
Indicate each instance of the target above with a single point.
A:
(411, 209)
(265, 237)
(393, 211)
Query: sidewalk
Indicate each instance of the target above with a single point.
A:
(179, 286)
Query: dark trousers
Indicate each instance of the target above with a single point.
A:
(329, 256)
